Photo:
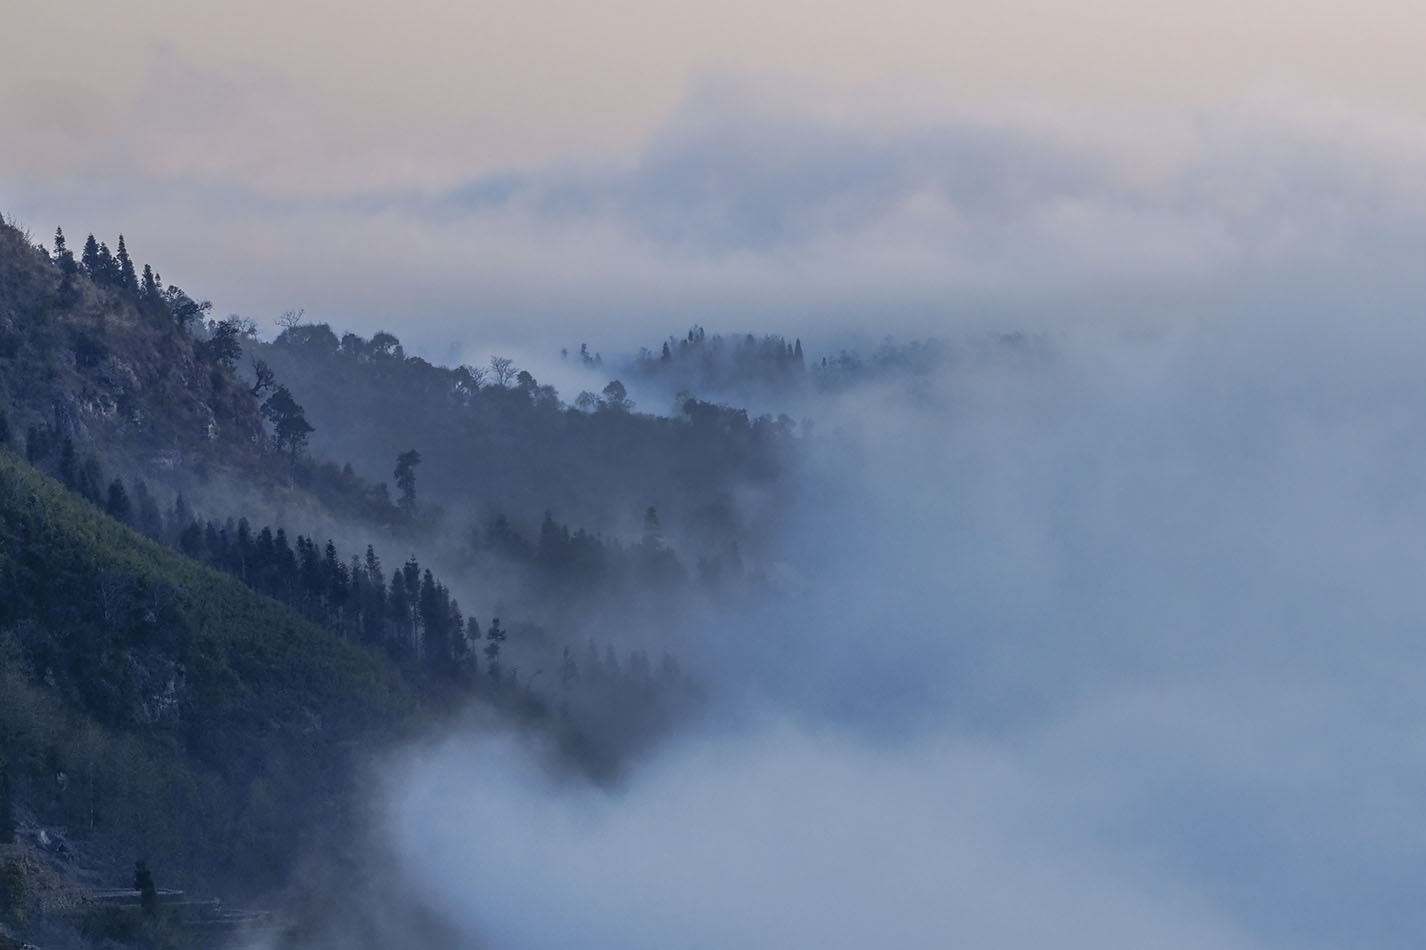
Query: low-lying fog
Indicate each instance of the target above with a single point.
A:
(1111, 639)
(1113, 642)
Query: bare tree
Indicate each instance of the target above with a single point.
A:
(263, 377)
(504, 369)
(247, 326)
(292, 319)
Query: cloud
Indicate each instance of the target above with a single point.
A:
(1114, 641)
(764, 206)
(790, 839)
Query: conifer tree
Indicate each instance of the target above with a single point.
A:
(148, 291)
(117, 504)
(68, 464)
(127, 278)
(405, 473)
(108, 268)
(67, 266)
(143, 883)
(90, 259)
(494, 636)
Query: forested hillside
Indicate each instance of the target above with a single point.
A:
(497, 439)
(194, 677)
(154, 707)
(233, 569)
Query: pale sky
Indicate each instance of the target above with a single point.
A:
(432, 91)
(472, 174)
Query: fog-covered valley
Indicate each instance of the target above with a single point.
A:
(1112, 645)
(833, 521)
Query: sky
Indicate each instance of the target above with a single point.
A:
(474, 174)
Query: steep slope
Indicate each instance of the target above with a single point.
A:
(112, 369)
(153, 707)
(516, 448)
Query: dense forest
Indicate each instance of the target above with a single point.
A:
(231, 570)
(234, 569)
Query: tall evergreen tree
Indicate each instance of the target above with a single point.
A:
(68, 464)
(127, 278)
(117, 504)
(494, 637)
(149, 291)
(90, 259)
(149, 519)
(143, 883)
(108, 269)
(405, 473)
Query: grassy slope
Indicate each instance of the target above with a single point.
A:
(156, 706)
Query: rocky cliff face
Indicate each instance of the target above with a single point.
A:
(110, 371)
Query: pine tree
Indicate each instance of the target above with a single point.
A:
(127, 278)
(91, 479)
(494, 637)
(433, 604)
(90, 259)
(148, 291)
(150, 521)
(406, 464)
(117, 504)
(68, 464)
(143, 883)
(108, 270)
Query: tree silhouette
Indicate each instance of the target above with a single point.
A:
(263, 377)
(289, 426)
(494, 637)
(108, 268)
(183, 307)
(143, 883)
(222, 345)
(616, 397)
(128, 279)
(405, 473)
(148, 289)
(117, 504)
(89, 257)
(504, 369)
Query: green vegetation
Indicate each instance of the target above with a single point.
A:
(155, 706)
(181, 687)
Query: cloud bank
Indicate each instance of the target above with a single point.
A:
(1113, 643)
(758, 204)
